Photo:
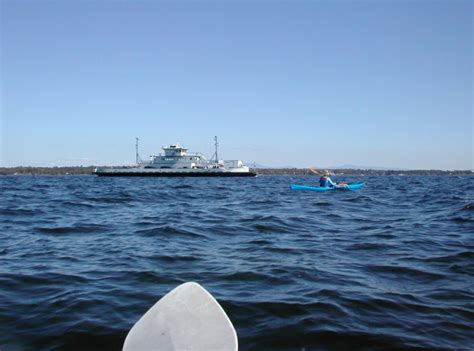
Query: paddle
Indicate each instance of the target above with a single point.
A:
(187, 318)
(315, 171)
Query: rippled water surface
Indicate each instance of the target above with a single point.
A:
(387, 267)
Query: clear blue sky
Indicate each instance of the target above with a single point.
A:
(373, 83)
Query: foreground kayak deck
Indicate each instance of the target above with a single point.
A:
(187, 318)
(354, 186)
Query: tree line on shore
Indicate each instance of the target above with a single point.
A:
(79, 170)
(89, 170)
(363, 172)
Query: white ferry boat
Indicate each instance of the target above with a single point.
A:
(177, 162)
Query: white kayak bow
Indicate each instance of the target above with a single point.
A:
(188, 318)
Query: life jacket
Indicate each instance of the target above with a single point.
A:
(323, 182)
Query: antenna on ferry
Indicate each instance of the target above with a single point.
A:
(216, 144)
(137, 156)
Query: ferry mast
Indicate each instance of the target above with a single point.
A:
(138, 160)
(216, 144)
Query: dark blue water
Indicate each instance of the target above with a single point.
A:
(387, 267)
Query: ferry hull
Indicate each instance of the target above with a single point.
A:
(175, 174)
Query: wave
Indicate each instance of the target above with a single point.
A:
(182, 186)
(467, 256)
(250, 277)
(404, 272)
(369, 246)
(268, 228)
(174, 259)
(295, 337)
(20, 212)
(118, 198)
(169, 231)
(79, 229)
(459, 219)
(16, 280)
(77, 204)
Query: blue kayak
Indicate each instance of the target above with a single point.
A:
(354, 186)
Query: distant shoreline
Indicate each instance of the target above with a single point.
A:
(89, 170)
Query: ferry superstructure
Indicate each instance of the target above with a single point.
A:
(177, 162)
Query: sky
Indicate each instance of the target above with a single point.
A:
(301, 83)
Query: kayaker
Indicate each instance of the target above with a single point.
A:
(325, 181)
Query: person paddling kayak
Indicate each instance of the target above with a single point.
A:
(325, 181)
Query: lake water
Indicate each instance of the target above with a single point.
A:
(388, 267)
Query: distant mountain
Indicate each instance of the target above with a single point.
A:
(260, 166)
(253, 165)
(375, 168)
(345, 166)
(257, 165)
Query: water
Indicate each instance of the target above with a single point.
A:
(387, 267)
